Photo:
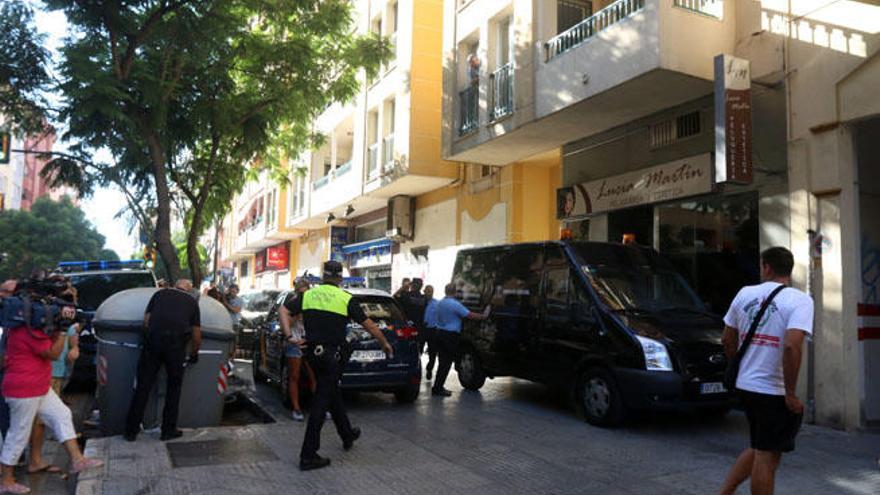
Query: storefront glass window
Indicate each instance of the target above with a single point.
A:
(713, 242)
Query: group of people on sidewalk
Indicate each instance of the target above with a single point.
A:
(34, 366)
(438, 324)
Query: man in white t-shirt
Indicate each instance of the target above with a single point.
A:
(768, 372)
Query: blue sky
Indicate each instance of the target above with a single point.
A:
(105, 203)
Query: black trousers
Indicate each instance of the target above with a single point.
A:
(328, 368)
(430, 339)
(152, 359)
(447, 351)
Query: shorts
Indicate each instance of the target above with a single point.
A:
(292, 351)
(772, 426)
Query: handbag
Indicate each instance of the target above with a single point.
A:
(732, 371)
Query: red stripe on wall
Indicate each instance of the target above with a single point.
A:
(869, 310)
(869, 333)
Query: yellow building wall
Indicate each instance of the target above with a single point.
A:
(426, 92)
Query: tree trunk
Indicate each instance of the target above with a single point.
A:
(192, 249)
(163, 209)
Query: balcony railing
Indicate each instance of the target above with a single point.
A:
(319, 183)
(373, 161)
(342, 169)
(502, 91)
(589, 27)
(468, 113)
(388, 153)
(714, 8)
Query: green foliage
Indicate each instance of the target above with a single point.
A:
(188, 94)
(23, 63)
(51, 232)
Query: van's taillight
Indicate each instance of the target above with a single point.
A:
(407, 333)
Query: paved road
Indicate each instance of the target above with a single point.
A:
(512, 437)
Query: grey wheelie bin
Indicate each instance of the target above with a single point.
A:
(118, 326)
(205, 383)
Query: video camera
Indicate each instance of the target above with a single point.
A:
(41, 302)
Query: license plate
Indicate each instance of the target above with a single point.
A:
(712, 388)
(367, 356)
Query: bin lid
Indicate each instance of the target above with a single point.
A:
(124, 311)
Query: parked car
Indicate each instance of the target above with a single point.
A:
(616, 326)
(366, 367)
(256, 307)
(95, 281)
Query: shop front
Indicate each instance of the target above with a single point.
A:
(371, 260)
(272, 267)
(709, 231)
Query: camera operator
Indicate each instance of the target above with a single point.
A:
(6, 290)
(26, 387)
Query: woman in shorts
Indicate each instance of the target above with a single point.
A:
(293, 353)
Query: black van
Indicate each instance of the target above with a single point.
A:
(614, 325)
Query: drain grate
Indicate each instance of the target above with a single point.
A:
(216, 452)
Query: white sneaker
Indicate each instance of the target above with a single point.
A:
(297, 416)
(328, 416)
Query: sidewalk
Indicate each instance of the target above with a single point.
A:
(510, 438)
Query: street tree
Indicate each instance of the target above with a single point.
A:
(23, 69)
(52, 231)
(192, 96)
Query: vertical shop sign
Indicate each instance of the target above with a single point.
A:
(338, 238)
(733, 120)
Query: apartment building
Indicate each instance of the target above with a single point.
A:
(377, 195)
(627, 94)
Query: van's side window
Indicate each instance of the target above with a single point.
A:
(518, 279)
(557, 287)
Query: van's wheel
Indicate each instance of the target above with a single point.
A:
(598, 398)
(407, 395)
(284, 382)
(258, 375)
(470, 372)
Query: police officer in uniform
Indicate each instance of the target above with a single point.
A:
(326, 310)
(172, 321)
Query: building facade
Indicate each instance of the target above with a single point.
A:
(378, 196)
(625, 93)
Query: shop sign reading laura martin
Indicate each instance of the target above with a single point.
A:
(673, 180)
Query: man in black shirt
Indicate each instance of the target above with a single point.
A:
(414, 303)
(326, 310)
(172, 319)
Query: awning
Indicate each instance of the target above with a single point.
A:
(360, 247)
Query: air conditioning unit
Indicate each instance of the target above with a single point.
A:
(400, 223)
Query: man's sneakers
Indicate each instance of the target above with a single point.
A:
(171, 435)
(297, 416)
(316, 462)
(441, 392)
(355, 434)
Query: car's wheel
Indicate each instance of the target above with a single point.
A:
(599, 398)
(284, 382)
(257, 358)
(407, 395)
(470, 372)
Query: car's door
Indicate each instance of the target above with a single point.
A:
(272, 338)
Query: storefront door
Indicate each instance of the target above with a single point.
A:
(636, 223)
(713, 241)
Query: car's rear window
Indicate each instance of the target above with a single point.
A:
(94, 288)
(382, 309)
